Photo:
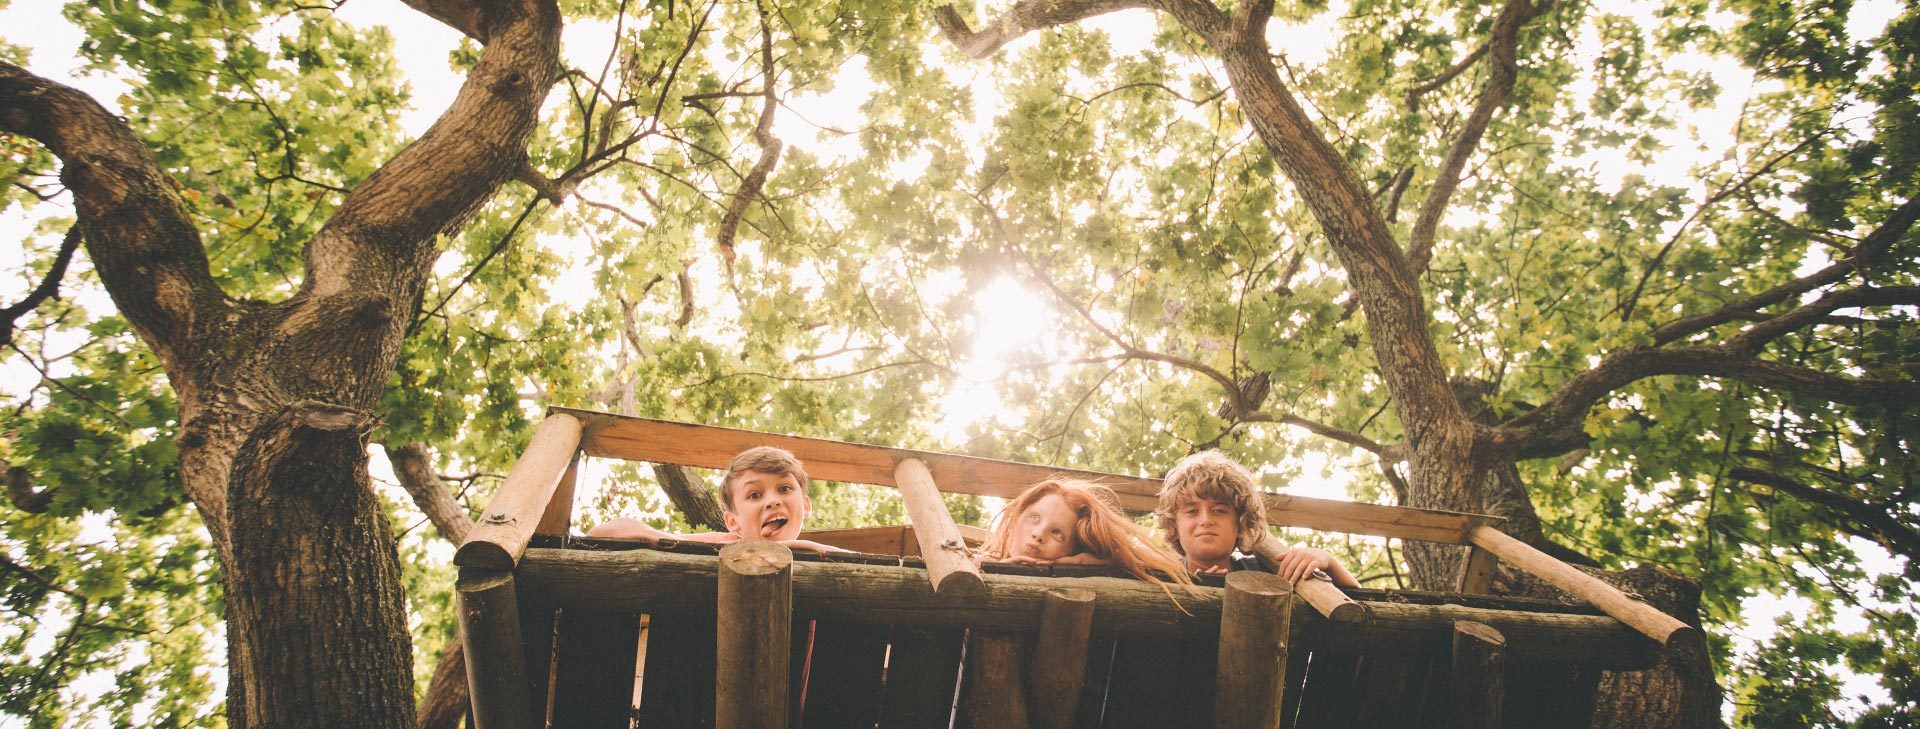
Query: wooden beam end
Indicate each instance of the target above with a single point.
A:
(483, 555)
(962, 584)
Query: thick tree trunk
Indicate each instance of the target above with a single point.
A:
(321, 627)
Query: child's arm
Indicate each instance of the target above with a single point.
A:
(812, 545)
(1295, 564)
(1081, 558)
(626, 528)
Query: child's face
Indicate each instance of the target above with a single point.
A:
(767, 506)
(1044, 531)
(1207, 529)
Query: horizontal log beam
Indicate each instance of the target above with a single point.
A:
(653, 581)
(706, 446)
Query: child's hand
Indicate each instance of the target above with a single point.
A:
(1081, 558)
(626, 528)
(1219, 569)
(1296, 564)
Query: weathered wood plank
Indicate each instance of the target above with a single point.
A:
(1477, 570)
(923, 671)
(895, 541)
(597, 652)
(500, 535)
(996, 691)
(1478, 678)
(753, 642)
(844, 683)
(649, 581)
(490, 636)
(558, 518)
(1321, 594)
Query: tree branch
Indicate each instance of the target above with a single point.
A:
(1881, 525)
(1865, 254)
(1024, 17)
(413, 464)
(690, 496)
(139, 235)
(1500, 79)
(1452, 72)
(770, 147)
(387, 226)
(49, 287)
(1388, 453)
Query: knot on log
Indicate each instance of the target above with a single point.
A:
(316, 415)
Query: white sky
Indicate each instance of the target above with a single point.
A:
(1009, 316)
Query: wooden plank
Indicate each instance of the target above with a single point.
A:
(950, 566)
(1477, 571)
(1091, 713)
(1059, 663)
(661, 441)
(1321, 594)
(1550, 695)
(753, 642)
(845, 680)
(558, 518)
(1478, 678)
(1194, 690)
(923, 671)
(537, 619)
(490, 637)
(897, 541)
(1141, 683)
(597, 653)
(1255, 635)
(996, 690)
(500, 536)
(677, 690)
(652, 581)
(1638, 615)
(1330, 692)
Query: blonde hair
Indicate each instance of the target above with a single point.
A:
(1097, 529)
(1211, 475)
(765, 459)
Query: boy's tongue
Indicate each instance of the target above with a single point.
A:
(773, 526)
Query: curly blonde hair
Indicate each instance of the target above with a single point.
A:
(765, 459)
(1097, 529)
(1211, 475)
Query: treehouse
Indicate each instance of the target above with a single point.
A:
(909, 632)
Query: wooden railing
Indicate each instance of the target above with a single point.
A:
(537, 495)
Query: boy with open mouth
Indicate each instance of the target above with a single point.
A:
(764, 496)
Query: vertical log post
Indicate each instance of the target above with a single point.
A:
(1476, 571)
(1479, 675)
(996, 690)
(500, 536)
(1319, 592)
(753, 635)
(949, 565)
(490, 635)
(1060, 660)
(1254, 624)
(1636, 614)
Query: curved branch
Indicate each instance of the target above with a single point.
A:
(690, 496)
(413, 465)
(1502, 74)
(1554, 427)
(1452, 72)
(49, 287)
(1759, 335)
(387, 226)
(1865, 254)
(138, 233)
(1870, 521)
(770, 147)
(1388, 453)
(1024, 17)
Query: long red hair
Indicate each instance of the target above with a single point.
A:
(1097, 529)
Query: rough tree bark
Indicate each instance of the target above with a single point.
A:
(276, 398)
